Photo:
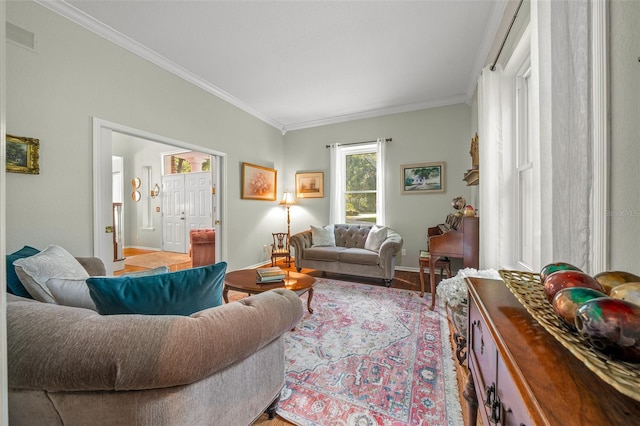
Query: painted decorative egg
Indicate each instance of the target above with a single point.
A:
(563, 279)
(627, 291)
(555, 267)
(611, 326)
(567, 301)
(610, 279)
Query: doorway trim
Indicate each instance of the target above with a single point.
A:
(102, 145)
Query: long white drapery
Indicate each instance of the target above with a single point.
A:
(563, 125)
(381, 180)
(336, 202)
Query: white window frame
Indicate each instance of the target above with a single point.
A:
(522, 206)
(339, 212)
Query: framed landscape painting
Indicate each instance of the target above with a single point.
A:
(423, 178)
(258, 183)
(23, 155)
(310, 185)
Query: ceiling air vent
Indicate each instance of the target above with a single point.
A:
(21, 37)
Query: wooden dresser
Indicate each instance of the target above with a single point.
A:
(522, 376)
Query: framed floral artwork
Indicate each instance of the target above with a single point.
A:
(258, 183)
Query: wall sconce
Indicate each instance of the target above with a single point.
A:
(155, 191)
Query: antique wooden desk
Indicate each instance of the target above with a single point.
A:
(458, 237)
(524, 375)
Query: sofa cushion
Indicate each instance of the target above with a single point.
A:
(75, 292)
(330, 254)
(14, 286)
(323, 236)
(375, 238)
(52, 262)
(71, 292)
(176, 293)
(358, 256)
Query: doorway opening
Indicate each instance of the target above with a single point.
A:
(144, 156)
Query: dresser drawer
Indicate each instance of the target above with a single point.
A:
(482, 356)
(512, 409)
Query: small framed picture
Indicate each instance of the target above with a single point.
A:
(23, 155)
(310, 185)
(258, 183)
(423, 178)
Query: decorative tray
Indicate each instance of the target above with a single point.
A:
(527, 288)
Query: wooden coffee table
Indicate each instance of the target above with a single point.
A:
(244, 281)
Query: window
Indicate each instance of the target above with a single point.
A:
(358, 189)
(524, 172)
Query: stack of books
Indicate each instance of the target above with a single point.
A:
(270, 275)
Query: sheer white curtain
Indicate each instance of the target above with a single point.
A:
(563, 86)
(381, 180)
(491, 191)
(336, 202)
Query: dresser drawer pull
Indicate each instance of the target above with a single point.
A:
(496, 408)
(491, 393)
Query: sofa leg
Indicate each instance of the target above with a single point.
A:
(387, 283)
(271, 409)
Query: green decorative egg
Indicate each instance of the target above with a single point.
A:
(555, 267)
(567, 301)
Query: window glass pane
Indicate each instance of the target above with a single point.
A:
(361, 207)
(361, 172)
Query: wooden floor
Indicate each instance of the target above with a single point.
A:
(403, 279)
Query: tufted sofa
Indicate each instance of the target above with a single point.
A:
(73, 366)
(349, 255)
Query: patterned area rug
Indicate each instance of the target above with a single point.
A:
(369, 355)
(154, 260)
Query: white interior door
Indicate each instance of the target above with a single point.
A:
(173, 214)
(198, 200)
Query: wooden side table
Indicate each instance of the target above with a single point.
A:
(444, 264)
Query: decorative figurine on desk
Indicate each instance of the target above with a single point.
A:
(469, 211)
(458, 204)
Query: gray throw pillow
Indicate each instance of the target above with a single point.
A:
(323, 236)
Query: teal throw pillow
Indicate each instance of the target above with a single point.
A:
(175, 293)
(14, 286)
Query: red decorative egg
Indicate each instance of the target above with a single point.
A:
(610, 279)
(627, 291)
(563, 279)
(612, 327)
(555, 267)
(567, 301)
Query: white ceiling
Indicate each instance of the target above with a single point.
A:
(297, 64)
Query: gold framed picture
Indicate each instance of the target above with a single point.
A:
(23, 155)
(423, 178)
(310, 185)
(258, 183)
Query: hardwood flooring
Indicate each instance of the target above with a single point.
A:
(403, 279)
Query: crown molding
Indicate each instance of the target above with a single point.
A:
(88, 22)
(378, 112)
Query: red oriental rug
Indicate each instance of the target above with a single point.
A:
(369, 355)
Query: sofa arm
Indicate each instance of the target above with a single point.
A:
(390, 247)
(60, 348)
(300, 242)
